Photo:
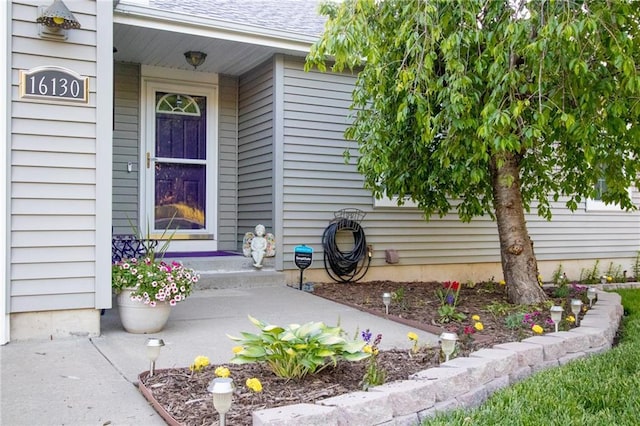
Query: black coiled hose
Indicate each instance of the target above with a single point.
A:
(345, 266)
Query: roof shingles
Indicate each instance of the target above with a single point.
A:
(296, 16)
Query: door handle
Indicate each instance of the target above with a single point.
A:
(149, 158)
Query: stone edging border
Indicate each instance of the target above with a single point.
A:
(460, 382)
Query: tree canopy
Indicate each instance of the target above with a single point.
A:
(446, 90)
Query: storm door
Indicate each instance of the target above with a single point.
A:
(179, 170)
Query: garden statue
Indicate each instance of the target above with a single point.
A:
(259, 245)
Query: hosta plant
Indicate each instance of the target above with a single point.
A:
(296, 350)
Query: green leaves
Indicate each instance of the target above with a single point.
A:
(297, 350)
(445, 87)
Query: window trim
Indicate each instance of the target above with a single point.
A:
(393, 202)
(592, 205)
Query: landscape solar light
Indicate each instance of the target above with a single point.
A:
(386, 299)
(576, 306)
(448, 344)
(591, 295)
(556, 315)
(153, 351)
(603, 279)
(222, 390)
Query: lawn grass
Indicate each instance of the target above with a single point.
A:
(599, 390)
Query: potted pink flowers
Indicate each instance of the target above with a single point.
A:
(147, 289)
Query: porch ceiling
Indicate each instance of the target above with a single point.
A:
(162, 48)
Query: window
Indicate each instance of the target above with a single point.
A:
(596, 204)
(393, 202)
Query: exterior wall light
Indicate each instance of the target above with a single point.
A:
(55, 20)
(195, 58)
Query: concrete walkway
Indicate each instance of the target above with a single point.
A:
(92, 381)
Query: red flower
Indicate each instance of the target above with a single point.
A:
(453, 285)
(469, 330)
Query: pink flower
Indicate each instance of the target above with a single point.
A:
(125, 266)
(172, 302)
(152, 304)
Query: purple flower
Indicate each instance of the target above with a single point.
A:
(366, 335)
(449, 299)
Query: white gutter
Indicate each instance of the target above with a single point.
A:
(146, 17)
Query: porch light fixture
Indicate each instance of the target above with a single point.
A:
(576, 307)
(448, 344)
(195, 58)
(591, 295)
(153, 351)
(556, 315)
(222, 390)
(386, 299)
(55, 20)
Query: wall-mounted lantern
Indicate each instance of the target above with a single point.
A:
(55, 20)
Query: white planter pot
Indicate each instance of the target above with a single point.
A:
(136, 317)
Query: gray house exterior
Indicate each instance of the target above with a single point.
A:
(270, 145)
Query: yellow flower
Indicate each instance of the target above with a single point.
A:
(476, 317)
(254, 384)
(237, 349)
(412, 336)
(537, 329)
(502, 282)
(571, 318)
(199, 363)
(222, 372)
(478, 326)
(367, 349)
(609, 279)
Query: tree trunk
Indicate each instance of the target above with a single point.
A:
(519, 264)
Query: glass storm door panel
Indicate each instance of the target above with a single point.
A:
(180, 162)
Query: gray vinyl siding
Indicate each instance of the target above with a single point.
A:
(227, 162)
(126, 147)
(317, 183)
(255, 149)
(53, 172)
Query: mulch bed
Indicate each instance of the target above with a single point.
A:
(183, 394)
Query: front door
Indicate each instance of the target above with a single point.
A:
(179, 197)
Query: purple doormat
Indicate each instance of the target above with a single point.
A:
(201, 254)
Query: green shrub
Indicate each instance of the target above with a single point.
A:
(297, 350)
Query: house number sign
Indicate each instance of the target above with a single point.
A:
(55, 83)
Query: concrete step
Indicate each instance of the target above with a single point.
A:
(243, 279)
(219, 272)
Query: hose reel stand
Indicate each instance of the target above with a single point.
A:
(346, 266)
